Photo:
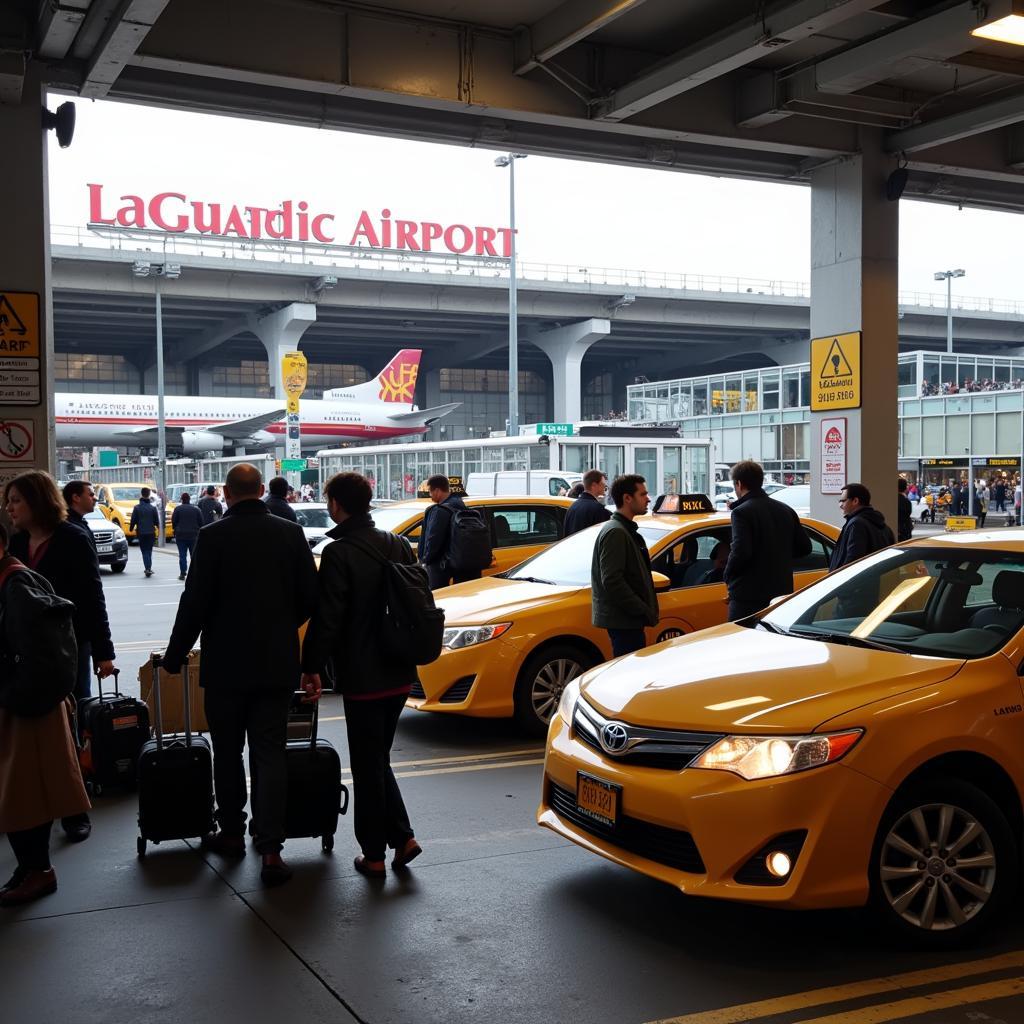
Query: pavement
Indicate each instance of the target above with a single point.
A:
(497, 921)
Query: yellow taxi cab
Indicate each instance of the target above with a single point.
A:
(513, 642)
(520, 526)
(857, 743)
(116, 501)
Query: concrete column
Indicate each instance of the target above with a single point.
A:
(26, 354)
(854, 265)
(566, 347)
(280, 333)
(786, 353)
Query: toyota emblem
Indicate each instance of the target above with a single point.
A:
(614, 737)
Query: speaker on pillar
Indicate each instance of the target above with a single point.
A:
(63, 121)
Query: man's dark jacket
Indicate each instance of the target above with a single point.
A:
(863, 532)
(76, 519)
(350, 609)
(280, 507)
(71, 566)
(585, 511)
(187, 521)
(251, 585)
(622, 591)
(766, 537)
(145, 519)
(436, 537)
(211, 509)
(904, 517)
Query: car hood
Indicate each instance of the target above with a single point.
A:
(494, 600)
(733, 679)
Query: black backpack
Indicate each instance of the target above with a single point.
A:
(40, 669)
(413, 626)
(469, 541)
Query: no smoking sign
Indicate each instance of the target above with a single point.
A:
(17, 441)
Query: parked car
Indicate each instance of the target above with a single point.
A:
(111, 543)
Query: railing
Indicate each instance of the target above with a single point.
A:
(320, 256)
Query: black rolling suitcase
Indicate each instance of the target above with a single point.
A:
(175, 778)
(112, 730)
(316, 794)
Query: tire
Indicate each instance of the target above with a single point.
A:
(140, 847)
(327, 844)
(119, 567)
(541, 682)
(952, 816)
(97, 789)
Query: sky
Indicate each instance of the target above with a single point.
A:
(567, 212)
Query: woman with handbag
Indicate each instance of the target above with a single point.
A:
(40, 779)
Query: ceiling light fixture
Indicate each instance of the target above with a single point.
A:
(1006, 29)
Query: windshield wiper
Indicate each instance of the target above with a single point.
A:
(847, 639)
(533, 579)
(773, 628)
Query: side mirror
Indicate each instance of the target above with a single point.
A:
(662, 584)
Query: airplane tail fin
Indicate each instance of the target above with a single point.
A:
(395, 384)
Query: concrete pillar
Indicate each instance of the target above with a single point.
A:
(788, 352)
(280, 333)
(854, 265)
(566, 347)
(26, 352)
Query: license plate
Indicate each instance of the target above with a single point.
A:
(597, 799)
(104, 549)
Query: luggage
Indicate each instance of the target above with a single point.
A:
(171, 691)
(175, 778)
(469, 543)
(316, 794)
(112, 730)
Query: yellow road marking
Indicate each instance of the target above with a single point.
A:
(465, 758)
(467, 768)
(903, 1008)
(854, 990)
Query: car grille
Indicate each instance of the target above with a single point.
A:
(458, 691)
(671, 847)
(103, 536)
(417, 691)
(668, 749)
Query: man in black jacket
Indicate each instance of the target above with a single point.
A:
(187, 521)
(905, 512)
(277, 499)
(145, 522)
(80, 499)
(864, 531)
(766, 537)
(210, 506)
(251, 587)
(589, 508)
(436, 536)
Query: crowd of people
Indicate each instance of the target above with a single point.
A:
(969, 386)
(993, 495)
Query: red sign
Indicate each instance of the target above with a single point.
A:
(292, 221)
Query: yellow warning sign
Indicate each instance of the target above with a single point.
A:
(293, 376)
(19, 324)
(835, 372)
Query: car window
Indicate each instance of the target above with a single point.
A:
(317, 518)
(515, 527)
(690, 561)
(557, 487)
(820, 554)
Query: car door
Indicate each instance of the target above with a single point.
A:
(814, 565)
(521, 530)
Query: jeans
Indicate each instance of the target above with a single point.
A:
(32, 847)
(186, 545)
(626, 641)
(234, 715)
(146, 547)
(380, 819)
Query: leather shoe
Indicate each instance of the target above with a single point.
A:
(410, 851)
(34, 885)
(77, 828)
(224, 843)
(274, 870)
(15, 880)
(370, 868)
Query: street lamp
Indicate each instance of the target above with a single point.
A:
(948, 276)
(141, 268)
(509, 161)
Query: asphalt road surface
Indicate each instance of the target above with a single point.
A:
(498, 921)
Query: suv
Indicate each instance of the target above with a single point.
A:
(111, 543)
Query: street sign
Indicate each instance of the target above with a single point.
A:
(19, 349)
(556, 429)
(293, 465)
(954, 524)
(835, 372)
(17, 439)
(833, 455)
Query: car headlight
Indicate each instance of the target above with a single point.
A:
(457, 637)
(762, 757)
(567, 705)
(118, 534)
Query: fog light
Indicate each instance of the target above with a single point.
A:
(778, 863)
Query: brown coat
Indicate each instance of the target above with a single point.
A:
(39, 775)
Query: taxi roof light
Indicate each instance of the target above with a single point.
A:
(683, 504)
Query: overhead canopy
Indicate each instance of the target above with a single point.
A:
(732, 87)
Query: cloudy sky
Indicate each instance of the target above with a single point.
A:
(568, 212)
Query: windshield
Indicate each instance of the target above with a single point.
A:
(95, 515)
(567, 563)
(315, 517)
(936, 601)
(391, 518)
(798, 496)
(131, 492)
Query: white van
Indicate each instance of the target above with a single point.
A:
(553, 483)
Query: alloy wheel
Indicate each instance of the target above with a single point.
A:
(548, 684)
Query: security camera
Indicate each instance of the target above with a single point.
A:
(327, 281)
(63, 121)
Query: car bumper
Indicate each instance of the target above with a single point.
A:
(116, 556)
(727, 820)
(474, 681)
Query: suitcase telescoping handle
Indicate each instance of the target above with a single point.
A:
(157, 659)
(99, 683)
(303, 710)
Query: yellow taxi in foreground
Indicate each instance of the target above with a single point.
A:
(117, 500)
(520, 526)
(859, 742)
(512, 643)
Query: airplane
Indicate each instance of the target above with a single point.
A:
(379, 408)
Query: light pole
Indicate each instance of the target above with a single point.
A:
(140, 268)
(509, 161)
(948, 276)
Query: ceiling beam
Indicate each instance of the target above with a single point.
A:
(573, 21)
(57, 25)
(727, 51)
(125, 30)
(211, 338)
(973, 121)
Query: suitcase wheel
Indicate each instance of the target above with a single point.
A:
(140, 846)
(94, 788)
(327, 843)
(252, 828)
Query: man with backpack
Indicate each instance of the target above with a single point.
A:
(375, 617)
(455, 544)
